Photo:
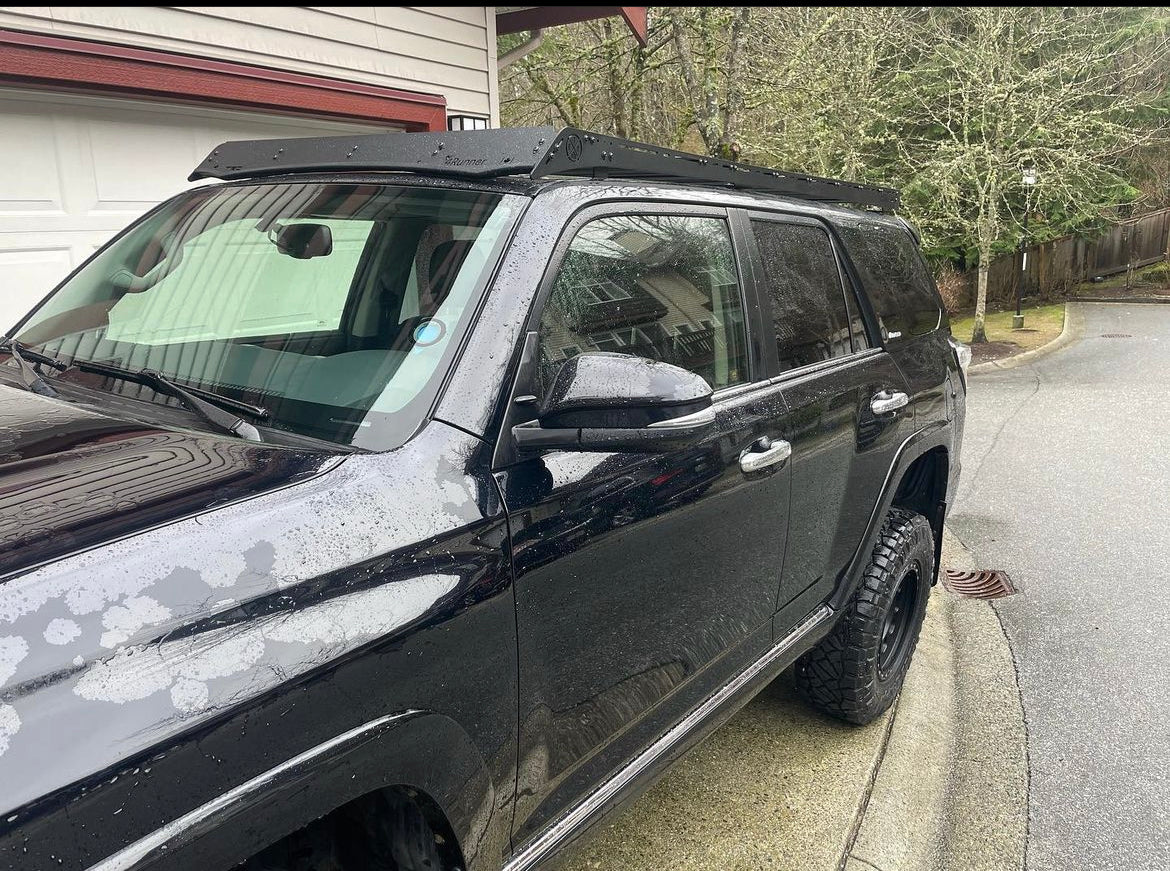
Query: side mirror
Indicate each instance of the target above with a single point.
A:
(302, 241)
(614, 402)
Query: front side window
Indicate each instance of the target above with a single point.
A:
(663, 287)
(803, 284)
(335, 306)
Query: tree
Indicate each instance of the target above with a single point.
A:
(948, 103)
(709, 42)
(996, 90)
(595, 75)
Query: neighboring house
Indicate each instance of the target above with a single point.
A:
(105, 110)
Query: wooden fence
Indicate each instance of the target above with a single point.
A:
(1056, 267)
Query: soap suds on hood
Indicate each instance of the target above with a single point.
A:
(13, 649)
(9, 726)
(61, 631)
(185, 666)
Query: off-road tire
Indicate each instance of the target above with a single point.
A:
(841, 675)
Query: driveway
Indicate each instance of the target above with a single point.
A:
(1066, 485)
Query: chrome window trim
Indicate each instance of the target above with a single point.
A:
(737, 390)
(828, 365)
(559, 832)
(703, 417)
(724, 394)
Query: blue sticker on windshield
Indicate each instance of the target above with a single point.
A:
(429, 332)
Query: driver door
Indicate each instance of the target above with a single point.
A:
(644, 582)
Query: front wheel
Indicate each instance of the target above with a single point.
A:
(856, 671)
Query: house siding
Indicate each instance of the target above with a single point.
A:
(442, 50)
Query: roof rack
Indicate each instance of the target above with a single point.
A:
(536, 152)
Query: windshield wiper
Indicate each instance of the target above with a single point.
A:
(31, 378)
(215, 414)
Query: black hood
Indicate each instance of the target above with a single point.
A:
(71, 478)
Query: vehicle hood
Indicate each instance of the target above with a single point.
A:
(231, 589)
(71, 478)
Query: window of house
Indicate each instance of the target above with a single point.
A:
(663, 287)
(894, 275)
(803, 285)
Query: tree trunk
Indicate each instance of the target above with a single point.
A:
(979, 334)
(987, 229)
(733, 87)
(617, 86)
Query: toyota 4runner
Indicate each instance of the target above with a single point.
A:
(410, 501)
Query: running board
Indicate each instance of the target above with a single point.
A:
(576, 820)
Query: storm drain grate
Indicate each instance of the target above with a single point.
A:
(1116, 336)
(986, 584)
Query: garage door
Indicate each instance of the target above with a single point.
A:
(75, 170)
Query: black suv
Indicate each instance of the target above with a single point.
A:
(410, 501)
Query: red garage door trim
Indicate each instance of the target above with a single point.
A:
(79, 65)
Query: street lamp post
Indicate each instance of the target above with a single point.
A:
(1029, 179)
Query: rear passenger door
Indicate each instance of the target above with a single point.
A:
(833, 377)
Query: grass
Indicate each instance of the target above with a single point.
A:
(1041, 325)
(1156, 276)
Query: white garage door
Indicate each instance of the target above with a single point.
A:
(75, 170)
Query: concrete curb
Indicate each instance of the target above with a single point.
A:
(951, 790)
(1067, 335)
(904, 822)
(1144, 300)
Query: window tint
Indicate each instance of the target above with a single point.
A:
(662, 287)
(804, 285)
(895, 277)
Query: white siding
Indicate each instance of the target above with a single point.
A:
(77, 169)
(438, 50)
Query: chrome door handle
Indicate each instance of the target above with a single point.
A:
(753, 460)
(885, 402)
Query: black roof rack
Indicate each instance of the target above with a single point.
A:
(535, 152)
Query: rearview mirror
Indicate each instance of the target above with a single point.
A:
(614, 402)
(302, 241)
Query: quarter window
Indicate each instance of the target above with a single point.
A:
(663, 287)
(895, 277)
(803, 284)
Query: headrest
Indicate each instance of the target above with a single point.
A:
(446, 260)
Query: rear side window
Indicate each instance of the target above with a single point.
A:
(895, 277)
(803, 285)
(663, 287)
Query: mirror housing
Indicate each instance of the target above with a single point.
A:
(302, 241)
(603, 401)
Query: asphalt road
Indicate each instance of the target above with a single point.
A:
(1066, 485)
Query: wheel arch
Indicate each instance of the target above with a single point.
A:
(917, 480)
(923, 490)
(427, 756)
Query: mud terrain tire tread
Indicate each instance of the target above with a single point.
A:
(840, 675)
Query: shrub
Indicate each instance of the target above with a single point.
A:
(954, 288)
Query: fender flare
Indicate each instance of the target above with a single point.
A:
(932, 436)
(426, 751)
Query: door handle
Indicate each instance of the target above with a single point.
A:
(888, 401)
(752, 459)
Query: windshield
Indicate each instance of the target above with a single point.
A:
(337, 307)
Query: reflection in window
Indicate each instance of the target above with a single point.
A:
(663, 287)
(895, 277)
(803, 283)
